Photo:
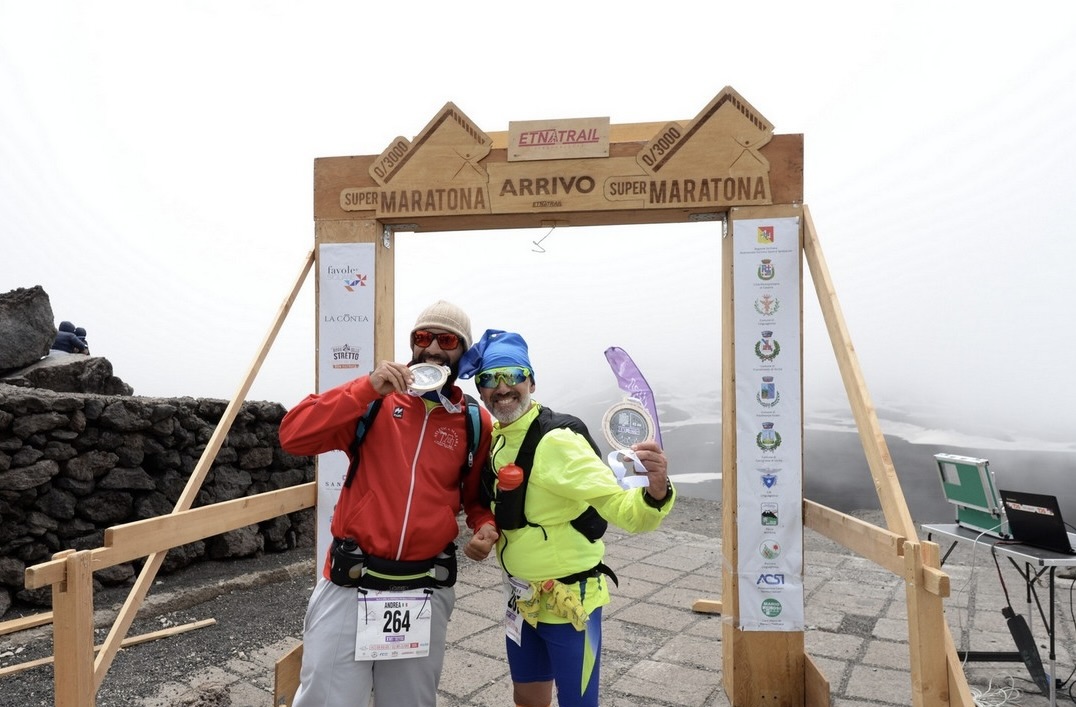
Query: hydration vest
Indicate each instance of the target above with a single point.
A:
(589, 522)
(473, 425)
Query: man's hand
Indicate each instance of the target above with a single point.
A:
(480, 544)
(657, 468)
(390, 376)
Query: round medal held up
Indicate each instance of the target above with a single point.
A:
(427, 377)
(627, 423)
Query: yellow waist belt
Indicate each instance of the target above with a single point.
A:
(556, 598)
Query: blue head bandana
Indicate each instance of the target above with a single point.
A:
(495, 349)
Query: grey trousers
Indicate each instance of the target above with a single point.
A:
(330, 675)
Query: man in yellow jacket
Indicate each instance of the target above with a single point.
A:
(554, 569)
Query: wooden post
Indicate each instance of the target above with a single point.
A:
(730, 593)
(926, 639)
(72, 632)
(760, 667)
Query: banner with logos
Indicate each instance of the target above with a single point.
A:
(769, 454)
(345, 351)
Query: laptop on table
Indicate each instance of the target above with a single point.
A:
(1035, 519)
(968, 484)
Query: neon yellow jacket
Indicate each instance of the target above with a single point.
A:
(565, 478)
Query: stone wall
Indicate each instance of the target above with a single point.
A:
(74, 464)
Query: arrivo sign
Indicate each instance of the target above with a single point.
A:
(449, 168)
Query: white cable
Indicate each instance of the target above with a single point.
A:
(966, 585)
(996, 696)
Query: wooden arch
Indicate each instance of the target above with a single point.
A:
(724, 164)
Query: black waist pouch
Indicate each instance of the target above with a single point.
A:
(346, 561)
(350, 567)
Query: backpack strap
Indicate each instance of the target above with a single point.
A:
(539, 426)
(362, 427)
(589, 522)
(473, 423)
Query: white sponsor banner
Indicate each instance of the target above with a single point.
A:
(769, 454)
(345, 351)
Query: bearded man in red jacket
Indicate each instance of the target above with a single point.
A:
(377, 619)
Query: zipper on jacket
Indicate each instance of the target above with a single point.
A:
(411, 489)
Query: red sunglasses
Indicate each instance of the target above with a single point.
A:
(447, 340)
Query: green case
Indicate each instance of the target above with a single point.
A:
(968, 484)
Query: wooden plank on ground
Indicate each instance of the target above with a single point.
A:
(127, 642)
(25, 622)
(815, 685)
(286, 677)
(707, 606)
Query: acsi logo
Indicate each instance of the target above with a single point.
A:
(772, 580)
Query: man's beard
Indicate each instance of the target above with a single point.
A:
(507, 415)
(441, 360)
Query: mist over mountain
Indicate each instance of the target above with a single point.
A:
(835, 465)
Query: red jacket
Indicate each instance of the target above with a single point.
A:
(407, 490)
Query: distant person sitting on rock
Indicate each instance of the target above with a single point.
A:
(67, 341)
(80, 332)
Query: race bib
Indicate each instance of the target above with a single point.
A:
(393, 624)
(515, 589)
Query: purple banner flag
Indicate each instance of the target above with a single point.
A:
(631, 381)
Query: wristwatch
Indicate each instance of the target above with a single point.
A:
(653, 502)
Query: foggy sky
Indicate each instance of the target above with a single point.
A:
(156, 170)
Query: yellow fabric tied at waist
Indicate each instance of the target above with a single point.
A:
(555, 598)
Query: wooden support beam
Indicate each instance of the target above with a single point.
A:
(127, 643)
(131, 541)
(194, 484)
(895, 508)
(878, 545)
(151, 535)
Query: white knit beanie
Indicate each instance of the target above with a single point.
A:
(445, 315)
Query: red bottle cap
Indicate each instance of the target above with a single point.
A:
(509, 477)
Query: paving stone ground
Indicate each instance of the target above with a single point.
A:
(657, 651)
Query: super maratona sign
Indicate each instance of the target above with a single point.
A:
(450, 168)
